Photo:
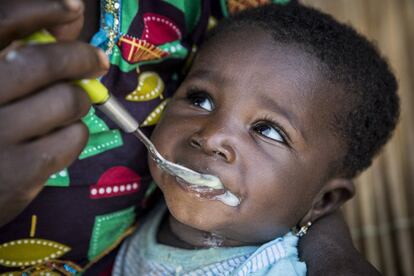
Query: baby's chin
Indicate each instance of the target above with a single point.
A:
(201, 214)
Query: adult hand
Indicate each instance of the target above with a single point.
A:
(327, 249)
(40, 108)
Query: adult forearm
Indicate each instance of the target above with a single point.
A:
(327, 249)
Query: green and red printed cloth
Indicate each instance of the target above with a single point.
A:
(85, 211)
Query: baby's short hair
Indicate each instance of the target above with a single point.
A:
(370, 102)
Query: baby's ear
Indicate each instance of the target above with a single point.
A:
(332, 196)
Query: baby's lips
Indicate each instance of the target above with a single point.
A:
(226, 196)
(203, 191)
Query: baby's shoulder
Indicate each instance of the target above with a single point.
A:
(277, 257)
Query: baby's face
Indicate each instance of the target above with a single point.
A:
(259, 118)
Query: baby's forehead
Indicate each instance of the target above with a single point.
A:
(256, 45)
(263, 72)
(261, 61)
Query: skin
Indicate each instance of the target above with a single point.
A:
(328, 250)
(265, 131)
(33, 144)
(217, 135)
(36, 79)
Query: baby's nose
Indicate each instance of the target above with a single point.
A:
(214, 145)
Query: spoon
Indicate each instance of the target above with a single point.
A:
(108, 104)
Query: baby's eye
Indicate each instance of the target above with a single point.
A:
(201, 100)
(269, 131)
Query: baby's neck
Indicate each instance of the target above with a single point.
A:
(174, 233)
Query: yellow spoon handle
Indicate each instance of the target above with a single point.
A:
(114, 110)
(96, 91)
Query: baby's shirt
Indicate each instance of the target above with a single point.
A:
(85, 211)
(141, 254)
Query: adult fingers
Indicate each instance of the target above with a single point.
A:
(54, 107)
(50, 153)
(29, 68)
(28, 166)
(20, 18)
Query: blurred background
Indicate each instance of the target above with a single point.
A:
(381, 216)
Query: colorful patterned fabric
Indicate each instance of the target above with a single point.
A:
(86, 210)
(141, 254)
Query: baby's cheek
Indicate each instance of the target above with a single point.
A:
(275, 209)
(159, 138)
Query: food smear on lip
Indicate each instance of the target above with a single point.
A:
(193, 177)
(228, 198)
(206, 185)
(223, 195)
(206, 180)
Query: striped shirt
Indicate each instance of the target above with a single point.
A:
(141, 254)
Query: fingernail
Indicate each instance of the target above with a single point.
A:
(73, 5)
(103, 59)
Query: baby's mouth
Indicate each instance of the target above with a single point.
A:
(205, 192)
(206, 186)
(201, 191)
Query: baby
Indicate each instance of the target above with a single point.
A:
(285, 105)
